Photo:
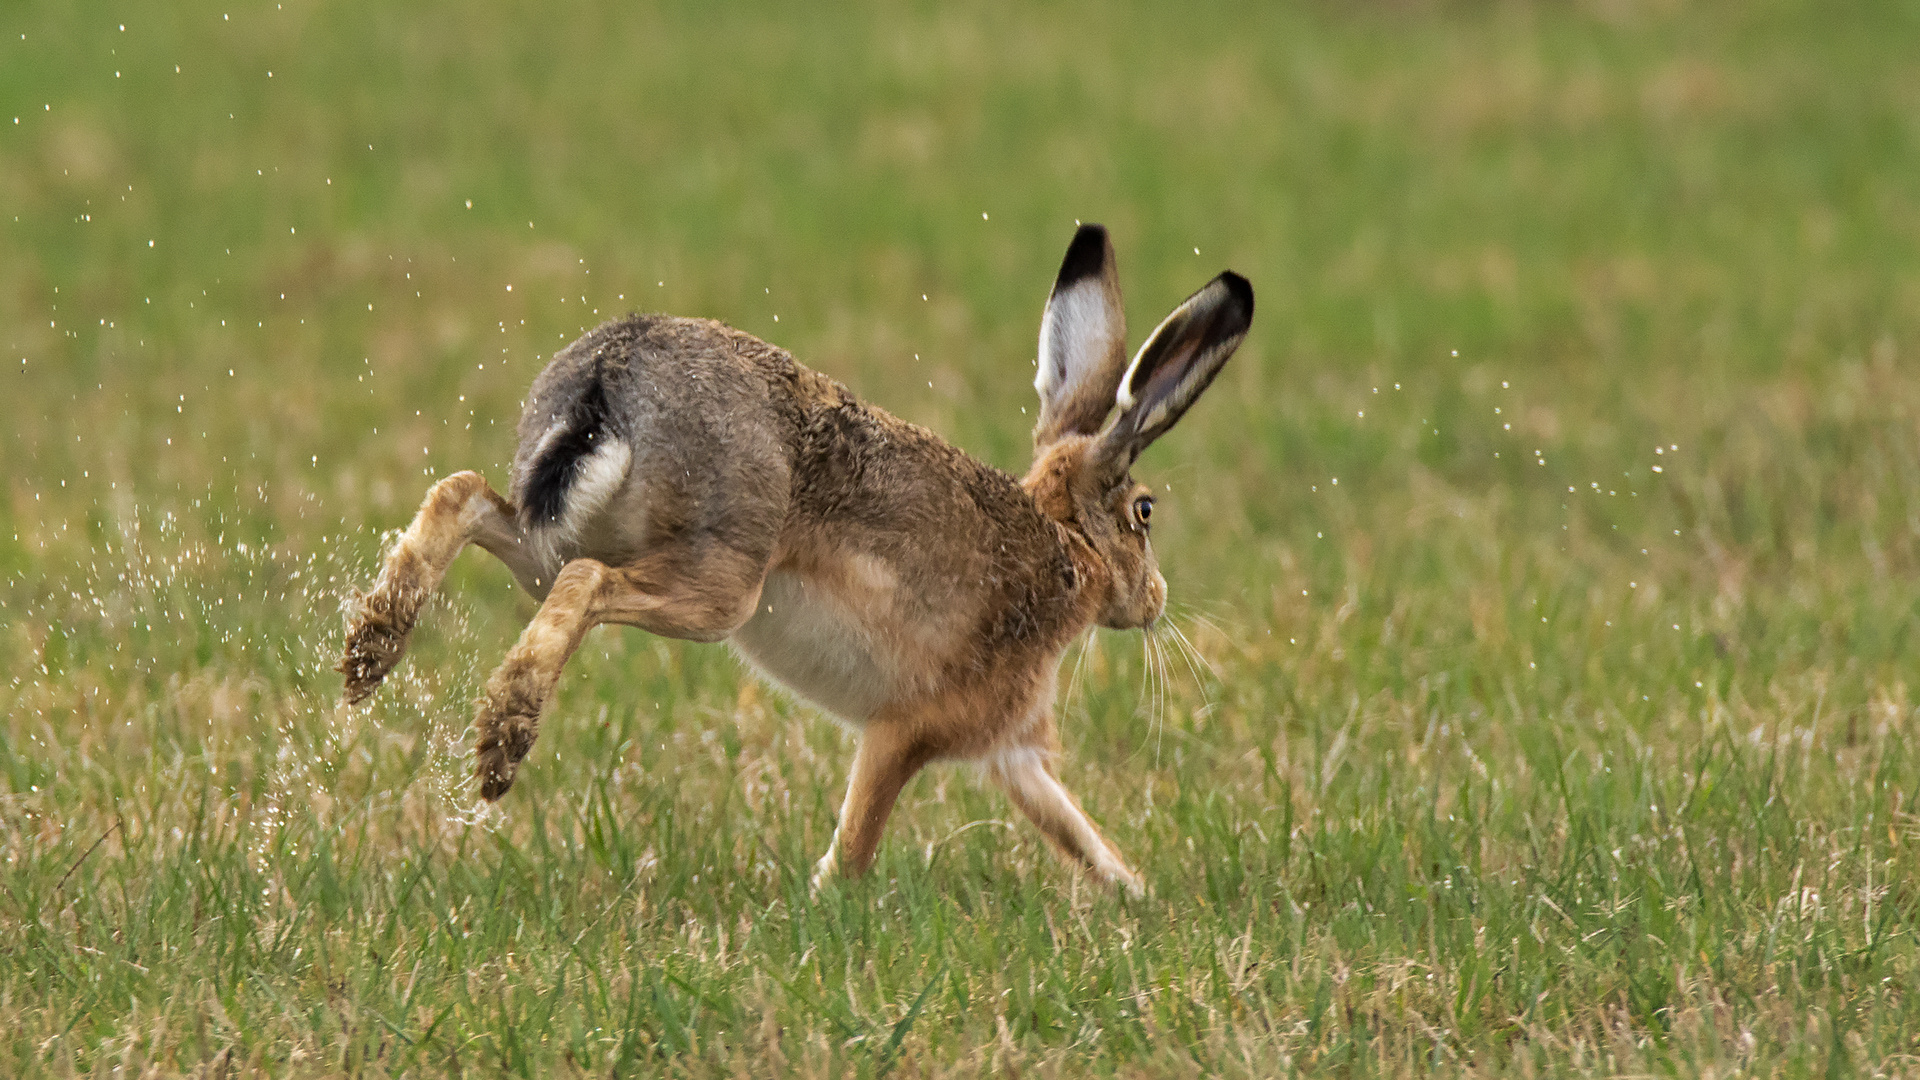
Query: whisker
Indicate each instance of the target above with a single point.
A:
(1202, 617)
(1195, 661)
(1199, 683)
(1146, 682)
(1199, 618)
(1215, 626)
(1160, 694)
(1145, 697)
(1158, 720)
(1079, 665)
(1163, 706)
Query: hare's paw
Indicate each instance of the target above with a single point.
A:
(1113, 872)
(824, 871)
(508, 722)
(1129, 883)
(376, 639)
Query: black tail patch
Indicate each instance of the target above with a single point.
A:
(555, 470)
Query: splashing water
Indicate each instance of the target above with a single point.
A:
(209, 660)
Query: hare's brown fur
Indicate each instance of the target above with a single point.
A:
(688, 478)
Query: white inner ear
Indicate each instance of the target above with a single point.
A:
(1182, 392)
(1125, 396)
(1076, 337)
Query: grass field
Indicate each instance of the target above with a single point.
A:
(1550, 552)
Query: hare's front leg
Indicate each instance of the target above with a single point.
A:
(1027, 776)
(886, 759)
(459, 510)
(699, 599)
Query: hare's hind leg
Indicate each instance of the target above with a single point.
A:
(697, 598)
(459, 510)
(1026, 775)
(886, 759)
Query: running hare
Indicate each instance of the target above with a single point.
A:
(684, 477)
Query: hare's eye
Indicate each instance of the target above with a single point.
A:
(1143, 509)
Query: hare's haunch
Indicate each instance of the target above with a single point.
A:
(684, 477)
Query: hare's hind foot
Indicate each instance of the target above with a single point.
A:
(377, 637)
(458, 510)
(508, 721)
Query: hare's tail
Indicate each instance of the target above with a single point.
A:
(582, 461)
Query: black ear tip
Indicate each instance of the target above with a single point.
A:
(1241, 290)
(1086, 256)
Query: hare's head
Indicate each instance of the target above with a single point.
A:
(1082, 455)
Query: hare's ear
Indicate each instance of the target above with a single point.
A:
(1178, 361)
(1083, 341)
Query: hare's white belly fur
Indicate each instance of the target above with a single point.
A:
(833, 636)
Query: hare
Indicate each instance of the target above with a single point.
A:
(690, 479)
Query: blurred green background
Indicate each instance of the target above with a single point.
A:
(1547, 553)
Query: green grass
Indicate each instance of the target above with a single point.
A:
(1515, 755)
